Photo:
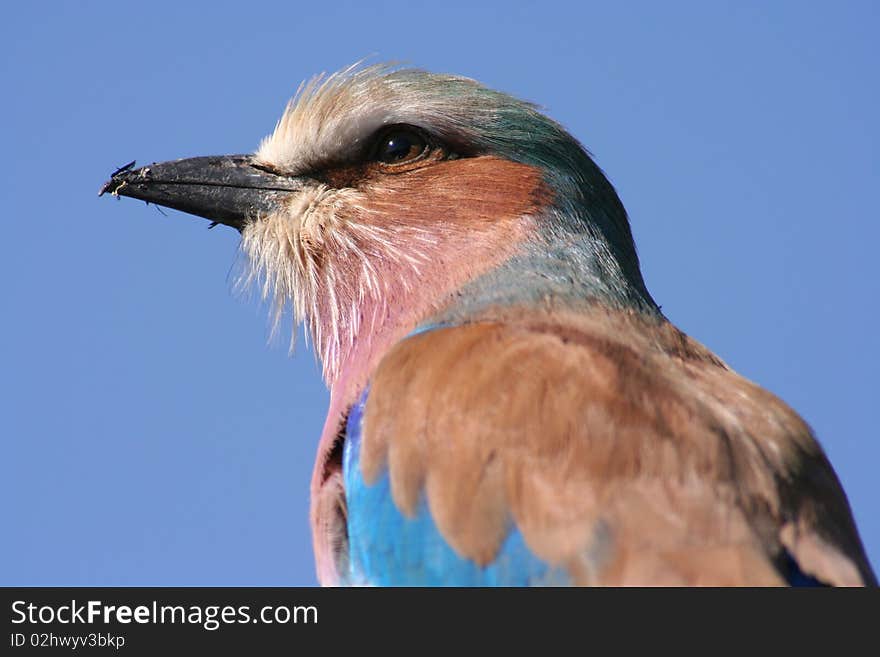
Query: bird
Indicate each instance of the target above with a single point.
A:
(508, 406)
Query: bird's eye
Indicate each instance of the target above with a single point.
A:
(399, 145)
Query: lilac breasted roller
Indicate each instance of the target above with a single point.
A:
(508, 406)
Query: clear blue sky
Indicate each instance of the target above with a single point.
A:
(151, 436)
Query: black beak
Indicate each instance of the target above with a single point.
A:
(227, 189)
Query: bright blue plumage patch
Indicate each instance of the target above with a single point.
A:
(388, 549)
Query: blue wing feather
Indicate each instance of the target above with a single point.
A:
(388, 549)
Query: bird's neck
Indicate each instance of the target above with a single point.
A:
(557, 272)
(551, 270)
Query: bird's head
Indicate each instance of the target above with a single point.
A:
(386, 198)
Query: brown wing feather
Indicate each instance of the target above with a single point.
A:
(620, 448)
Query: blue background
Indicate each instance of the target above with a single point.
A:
(149, 434)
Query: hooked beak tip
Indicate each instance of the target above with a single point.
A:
(116, 180)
